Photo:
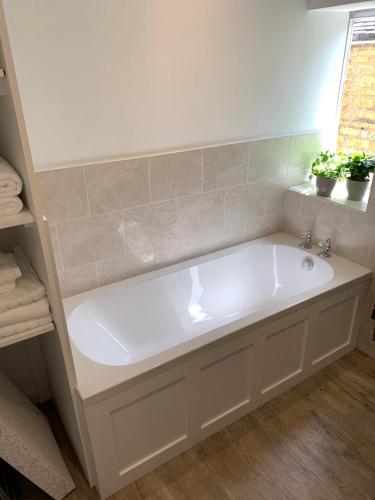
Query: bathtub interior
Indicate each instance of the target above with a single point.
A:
(121, 325)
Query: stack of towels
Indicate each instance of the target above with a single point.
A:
(10, 188)
(24, 306)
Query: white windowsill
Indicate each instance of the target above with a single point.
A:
(339, 195)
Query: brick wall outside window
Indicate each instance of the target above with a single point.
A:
(357, 124)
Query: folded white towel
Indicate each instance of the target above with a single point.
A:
(26, 326)
(28, 288)
(9, 270)
(10, 181)
(6, 288)
(10, 205)
(35, 310)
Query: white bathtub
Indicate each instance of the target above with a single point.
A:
(127, 323)
(164, 359)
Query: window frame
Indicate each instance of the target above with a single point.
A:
(354, 15)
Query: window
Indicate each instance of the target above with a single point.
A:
(357, 118)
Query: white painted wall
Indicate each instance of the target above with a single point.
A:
(114, 78)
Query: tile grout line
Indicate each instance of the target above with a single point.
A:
(77, 266)
(96, 273)
(59, 246)
(149, 179)
(179, 228)
(123, 231)
(368, 255)
(248, 163)
(104, 161)
(169, 200)
(202, 168)
(87, 191)
(225, 209)
(118, 210)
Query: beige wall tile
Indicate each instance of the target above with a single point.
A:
(293, 201)
(371, 201)
(370, 264)
(310, 208)
(274, 223)
(275, 195)
(189, 248)
(295, 224)
(195, 223)
(125, 266)
(304, 148)
(92, 238)
(118, 185)
(225, 166)
(320, 232)
(268, 158)
(151, 225)
(55, 246)
(175, 175)
(331, 215)
(359, 225)
(258, 226)
(351, 247)
(201, 213)
(352, 231)
(63, 194)
(242, 202)
(77, 280)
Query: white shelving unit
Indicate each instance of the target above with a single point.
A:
(23, 218)
(3, 86)
(48, 347)
(9, 148)
(13, 339)
(12, 147)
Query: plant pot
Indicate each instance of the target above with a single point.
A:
(356, 189)
(324, 186)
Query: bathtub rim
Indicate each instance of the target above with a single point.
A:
(110, 380)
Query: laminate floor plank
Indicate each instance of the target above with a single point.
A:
(293, 479)
(331, 456)
(314, 442)
(308, 447)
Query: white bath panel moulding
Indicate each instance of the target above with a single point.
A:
(341, 5)
(28, 445)
(20, 219)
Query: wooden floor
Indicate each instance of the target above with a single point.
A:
(316, 441)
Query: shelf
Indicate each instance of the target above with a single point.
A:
(29, 334)
(24, 217)
(338, 198)
(3, 82)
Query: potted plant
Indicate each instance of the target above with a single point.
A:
(357, 168)
(327, 171)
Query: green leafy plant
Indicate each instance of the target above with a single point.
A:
(327, 165)
(358, 166)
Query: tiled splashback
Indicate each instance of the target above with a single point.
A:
(115, 220)
(352, 232)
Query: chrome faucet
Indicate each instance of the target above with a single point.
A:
(307, 240)
(327, 248)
